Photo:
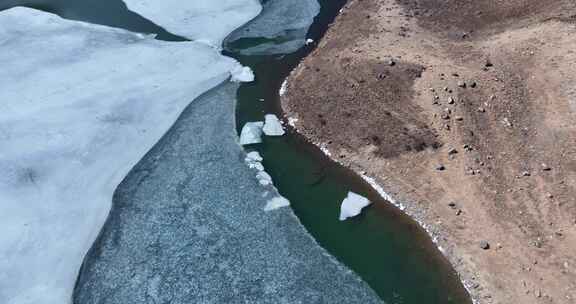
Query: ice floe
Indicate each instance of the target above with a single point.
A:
(283, 23)
(272, 126)
(264, 178)
(80, 105)
(276, 202)
(251, 133)
(242, 74)
(204, 20)
(352, 205)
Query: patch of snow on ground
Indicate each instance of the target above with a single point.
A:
(272, 126)
(81, 105)
(352, 205)
(283, 88)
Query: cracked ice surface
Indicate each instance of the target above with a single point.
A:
(284, 23)
(205, 20)
(190, 225)
(80, 105)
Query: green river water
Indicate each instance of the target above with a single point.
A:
(385, 247)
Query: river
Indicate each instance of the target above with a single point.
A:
(386, 248)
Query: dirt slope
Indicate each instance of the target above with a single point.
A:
(466, 112)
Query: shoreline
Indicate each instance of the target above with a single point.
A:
(415, 215)
(394, 74)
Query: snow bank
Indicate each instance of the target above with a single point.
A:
(352, 205)
(272, 126)
(75, 116)
(251, 133)
(284, 24)
(205, 20)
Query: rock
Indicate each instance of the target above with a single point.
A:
(473, 84)
(451, 100)
(452, 151)
(525, 173)
(484, 245)
(391, 62)
(272, 126)
(352, 205)
(462, 84)
(452, 205)
(481, 110)
(440, 167)
(251, 133)
(546, 167)
(459, 118)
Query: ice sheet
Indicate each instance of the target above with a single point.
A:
(190, 225)
(284, 24)
(206, 20)
(79, 105)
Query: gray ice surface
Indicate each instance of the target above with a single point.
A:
(284, 25)
(188, 226)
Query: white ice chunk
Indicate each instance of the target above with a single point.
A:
(254, 156)
(264, 178)
(276, 202)
(205, 20)
(80, 105)
(242, 74)
(251, 133)
(309, 41)
(272, 126)
(352, 205)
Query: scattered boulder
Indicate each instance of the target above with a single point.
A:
(440, 167)
(462, 84)
(484, 245)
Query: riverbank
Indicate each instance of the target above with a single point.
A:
(462, 112)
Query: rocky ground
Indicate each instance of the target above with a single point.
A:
(463, 110)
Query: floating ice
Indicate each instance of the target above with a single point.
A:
(276, 202)
(283, 24)
(80, 105)
(352, 205)
(242, 74)
(272, 126)
(253, 156)
(204, 20)
(264, 178)
(251, 133)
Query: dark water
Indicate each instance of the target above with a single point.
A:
(386, 248)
